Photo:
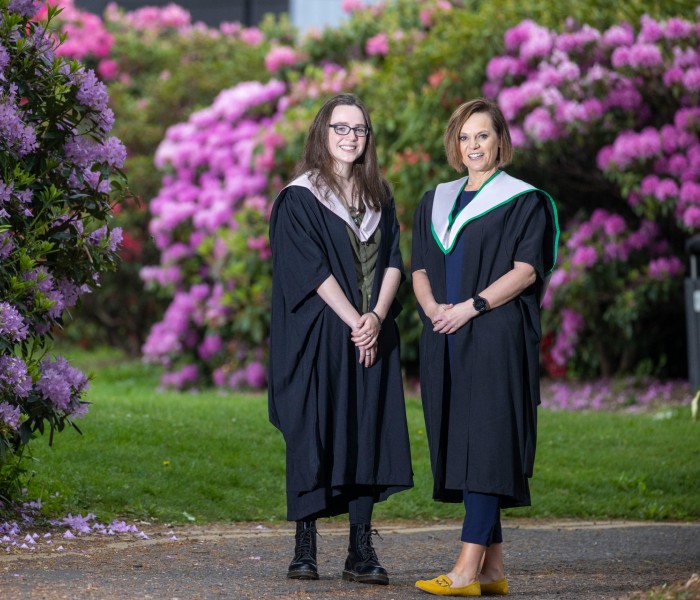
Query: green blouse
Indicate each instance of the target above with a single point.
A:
(365, 262)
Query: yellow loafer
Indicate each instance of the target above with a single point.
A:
(495, 588)
(442, 586)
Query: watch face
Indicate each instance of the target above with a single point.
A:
(479, 303)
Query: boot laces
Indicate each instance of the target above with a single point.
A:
(364, 545)
(305, 542)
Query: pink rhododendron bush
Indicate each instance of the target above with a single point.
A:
(209, 223)
(159, 66)
(615, 111)
(58, 166)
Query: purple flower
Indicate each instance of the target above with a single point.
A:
(577, 40)
(691, 217)
(614, 225)
(673, 76)
(181, 379)
(255, 375)
(604, 157)
(651, 30)
(648, 185)
(565, 343)
(630, 147)
(501, 67)
(26, 8)
(280, 56)
(61, 384)
(70, 292)
(690, 193)
(6, 244)
(667, 188)
(12, 324)
(687, 118)
(92, 93)
(4, 60)
(540, 126)
(14, 378)
(619, 35)
(210, 346)
(14, 133)
(637, 56)
(113, 238)
(625, 96)
(663, 268)
(691, 79)
(585, 256)
(678, 28)
(523, 33)
(10, 415)
(79, 523)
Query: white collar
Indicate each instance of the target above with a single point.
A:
(330, 200)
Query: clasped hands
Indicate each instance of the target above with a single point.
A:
(448, 318)
(364, 335)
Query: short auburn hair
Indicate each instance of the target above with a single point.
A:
(459, 118)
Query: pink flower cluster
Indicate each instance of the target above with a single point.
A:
(212, 172)
(597, 249)
(629, 395)
(152, 18)
(550, 84)
(86, 34)
(572, 323)
(672, 153)
(87, 37)
(427, 15)
(377, 45)
(281, 56)
(592, 83)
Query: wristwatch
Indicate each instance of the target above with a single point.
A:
(481, 304)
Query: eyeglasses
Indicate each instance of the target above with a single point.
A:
(345, 129)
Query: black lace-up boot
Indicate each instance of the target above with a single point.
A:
(303, 566)
(362, 564)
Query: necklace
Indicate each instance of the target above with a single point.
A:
(356, 212)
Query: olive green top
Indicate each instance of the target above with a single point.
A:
(365, 263)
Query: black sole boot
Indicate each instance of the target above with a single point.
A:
(362, 564)
(303, 566)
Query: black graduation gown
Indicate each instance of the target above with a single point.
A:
(481, 418)
(344, 425)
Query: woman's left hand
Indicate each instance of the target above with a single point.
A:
(365, 336)
(453, 318)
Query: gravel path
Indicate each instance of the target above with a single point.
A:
(569, 560)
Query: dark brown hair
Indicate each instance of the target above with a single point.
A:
(316, 156)
(460, 116)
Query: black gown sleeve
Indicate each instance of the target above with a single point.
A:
(420, 230)
(299, 254)
(394, 259)
(526, 235)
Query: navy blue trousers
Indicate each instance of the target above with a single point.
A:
(482, 521)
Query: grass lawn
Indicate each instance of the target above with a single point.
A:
(210, 456)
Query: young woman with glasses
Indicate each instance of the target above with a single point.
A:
(335, 388)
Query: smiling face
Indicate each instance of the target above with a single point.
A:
(346, 149)
(479, 144)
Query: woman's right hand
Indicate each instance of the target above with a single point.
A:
(437, 312)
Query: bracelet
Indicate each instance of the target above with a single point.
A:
(378, 318)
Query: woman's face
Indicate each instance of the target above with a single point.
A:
(478, 144)
(346, 149)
